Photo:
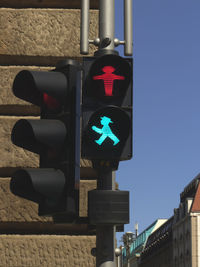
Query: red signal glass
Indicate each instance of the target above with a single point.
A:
(50, 102)
(108, 78)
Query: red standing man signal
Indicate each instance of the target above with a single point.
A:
(108, 77)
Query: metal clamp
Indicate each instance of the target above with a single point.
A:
(106, 39)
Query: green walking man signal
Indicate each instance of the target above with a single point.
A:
(105, 131)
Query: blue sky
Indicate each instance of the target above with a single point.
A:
(166, 122)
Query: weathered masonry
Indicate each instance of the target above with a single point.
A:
(35, 35)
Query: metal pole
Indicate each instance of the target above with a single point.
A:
(106, 24)
(128, 28)
(105, 234)
(84, 45)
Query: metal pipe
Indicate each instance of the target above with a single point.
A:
(105, 234)
(128, 27)
(106, 24)
(84, 44)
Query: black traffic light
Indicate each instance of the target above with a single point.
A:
(107, 108)
(55, 137)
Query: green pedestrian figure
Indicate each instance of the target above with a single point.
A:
(105, 131)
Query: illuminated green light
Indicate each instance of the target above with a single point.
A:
(105, 131)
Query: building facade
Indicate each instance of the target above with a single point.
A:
(131, 256)
(176, 243)
(186, 238)
(34, 35)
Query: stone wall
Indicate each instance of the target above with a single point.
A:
(35, 35)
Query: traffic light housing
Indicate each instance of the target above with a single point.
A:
(55, 137)
(107, 108)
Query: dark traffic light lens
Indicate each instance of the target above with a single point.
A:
(50, 102)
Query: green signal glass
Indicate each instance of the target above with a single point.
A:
(108, 132)
(105, 131)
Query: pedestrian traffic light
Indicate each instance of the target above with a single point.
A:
(55, 137)
(107, 108)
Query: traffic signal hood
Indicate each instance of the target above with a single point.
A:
(55, 137)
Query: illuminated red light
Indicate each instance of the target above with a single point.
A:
(108, 77)
(50, 102)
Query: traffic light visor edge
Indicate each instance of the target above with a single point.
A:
(31, 85)
(36, 135)
(32, 184)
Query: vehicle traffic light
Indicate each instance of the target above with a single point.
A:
(107, 108)
(55, 137)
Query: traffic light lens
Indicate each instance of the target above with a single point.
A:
(107, 132)
(108, 77)
(50, 102)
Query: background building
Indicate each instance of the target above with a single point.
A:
(131, 257)
(34, 35)
(176, 242)
(186, 238)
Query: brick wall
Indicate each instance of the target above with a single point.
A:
(35, 35)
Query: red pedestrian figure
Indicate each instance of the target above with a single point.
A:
(108, 77)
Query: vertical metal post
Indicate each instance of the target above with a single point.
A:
(84, 44)
(105, 234)
(128, 28)
(106, 24)
(106, 40)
